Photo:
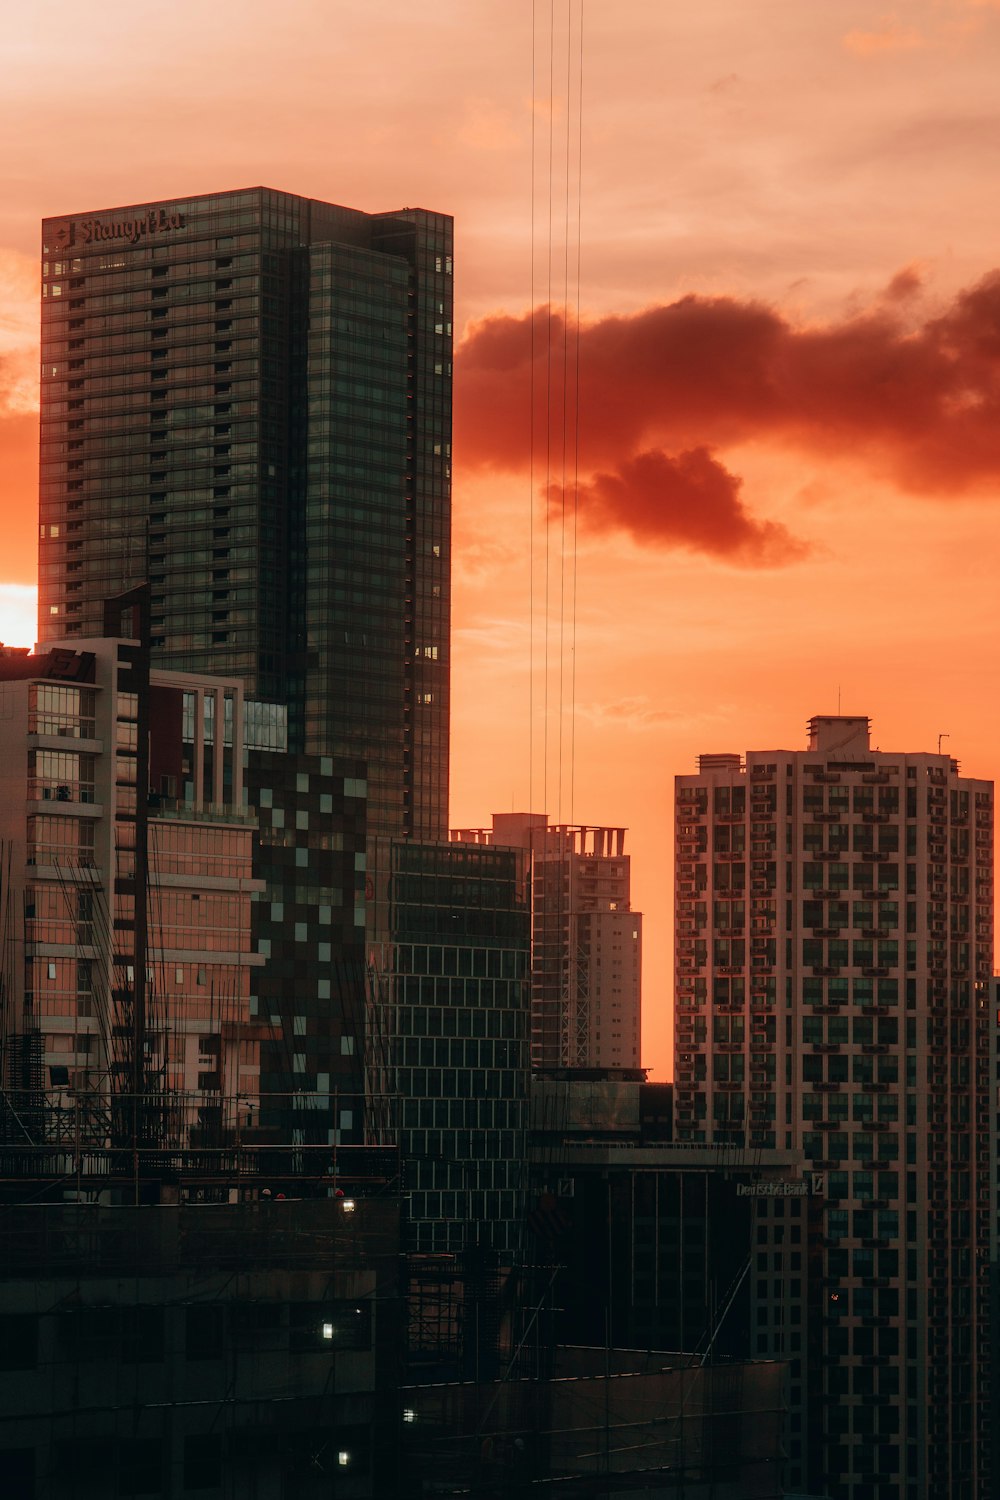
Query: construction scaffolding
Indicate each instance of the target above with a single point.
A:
(248, 1349)
(612, 1422)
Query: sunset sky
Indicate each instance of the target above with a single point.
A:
(789, 397)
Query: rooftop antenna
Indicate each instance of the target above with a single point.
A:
(940, 738)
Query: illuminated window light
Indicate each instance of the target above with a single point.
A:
(343, 1458)
(409, 1415)
(328, 1330)
(348, 1205)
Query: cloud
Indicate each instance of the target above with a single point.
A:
(634, 713)
(907, 283)
(892, 36)
(486, 127)
(914, 396)
(19, 382)
(689, 500)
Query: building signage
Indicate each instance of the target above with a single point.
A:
(143, 226)
(813, 1185)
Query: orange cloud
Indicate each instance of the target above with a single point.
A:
(892, 36)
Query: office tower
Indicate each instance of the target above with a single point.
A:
(110, 795)
(246, 399)
(834, 946)
(450, 938)
(586, 941)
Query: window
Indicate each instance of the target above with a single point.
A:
(204, 1327)
(318, 1326)
(203, 1461)
(18, 1341)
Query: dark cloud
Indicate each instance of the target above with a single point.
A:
(917, 401)
(689, 500)
(905, 284)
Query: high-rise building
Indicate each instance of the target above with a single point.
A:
(246, 400)
(451, 923)
(834, 945)
(586, 941)
(127, 884)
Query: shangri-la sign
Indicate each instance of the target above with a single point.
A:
(143, 226)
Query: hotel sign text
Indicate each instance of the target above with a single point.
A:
(143, 226)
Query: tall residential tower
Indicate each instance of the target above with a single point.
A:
(834, 949)
(246, 399)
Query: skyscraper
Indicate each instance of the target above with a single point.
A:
(834, 944)
(246, 399)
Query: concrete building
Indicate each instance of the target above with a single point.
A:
(834, 944)
(586, 941)
(246, 400)
(698, 1250)
(127, 887)
(211, 1349)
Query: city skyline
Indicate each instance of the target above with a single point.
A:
(818, 184)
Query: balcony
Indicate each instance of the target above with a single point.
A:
(181, 812)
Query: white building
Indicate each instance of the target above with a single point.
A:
(834, 945)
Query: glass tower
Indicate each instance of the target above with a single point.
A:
(246, 399)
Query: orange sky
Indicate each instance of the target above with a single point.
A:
(790, 452)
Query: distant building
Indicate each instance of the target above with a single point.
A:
(834, 946)
(586, 941)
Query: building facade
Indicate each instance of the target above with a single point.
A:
(309, 935)
(834, 943)
(220, 1349)
(246, 400)
(452, 956)
(128, 888)
(586, 941)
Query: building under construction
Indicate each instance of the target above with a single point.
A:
(244, 1351)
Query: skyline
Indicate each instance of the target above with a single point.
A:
(817, 184)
